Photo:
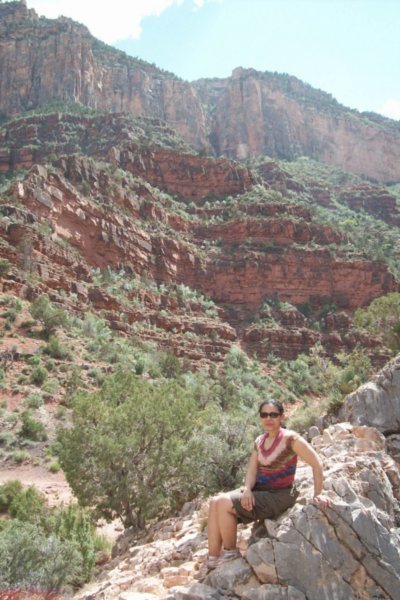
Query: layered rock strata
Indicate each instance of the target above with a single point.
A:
(249, 113)
(97, 219)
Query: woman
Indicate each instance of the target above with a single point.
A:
(268, 490)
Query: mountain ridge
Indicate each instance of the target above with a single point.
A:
(249, 113)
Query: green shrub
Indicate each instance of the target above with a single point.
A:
(31, 559)
(10, 314)
(54, 467)
(8, 491)
(382, 318)
(43, 547)
(21, 456)
(303, 418)
(129, 448)
(170, 365)
(140, 365)
(74, 524)
(97, 375)
(7, 439)
(51, 386)
(56, 349)
(33, 401)
(51, 365)
(51, 318)
(34, 361)
(5, 267)
(27, 505)
(32, 429)
(38, 375)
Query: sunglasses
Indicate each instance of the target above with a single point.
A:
(272, 415)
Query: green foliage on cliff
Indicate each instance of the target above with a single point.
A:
(382, 318)
(50, 316)
(367, 236)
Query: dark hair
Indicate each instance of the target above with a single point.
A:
(276, 403)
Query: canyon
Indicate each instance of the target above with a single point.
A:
(213, 225)
(214, 233)
(249, 113)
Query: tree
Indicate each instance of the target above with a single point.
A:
(129, 450)
(382, 317)
(51, 317)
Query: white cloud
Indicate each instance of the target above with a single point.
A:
(109, 21)
(391, 108)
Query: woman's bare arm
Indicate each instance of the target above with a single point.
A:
(308, 454)
(247, 499)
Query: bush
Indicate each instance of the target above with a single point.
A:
(51, 386)
(170, 365)
(51, 318)
(8, 491)
(56, 349)
(32, 429)
(5, 267)
(130, 448)
(20, 456)
(222, 449)
(31, 559)
(42, 547)
(382, 318)
(54, 467)
(33, 401)
(27, 505)
(38, 375)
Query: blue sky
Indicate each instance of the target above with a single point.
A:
(349, 48)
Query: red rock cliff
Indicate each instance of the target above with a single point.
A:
(43, 60)
(277, 115)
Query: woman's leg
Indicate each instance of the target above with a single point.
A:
(222, 528)
(222, 525)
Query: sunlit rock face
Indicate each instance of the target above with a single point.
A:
(350, 550)
(249, 113)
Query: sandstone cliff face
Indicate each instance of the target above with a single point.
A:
(126, 144)
(259, 113)
(222, 232)
(98, 221)
(43, 60)
(246, 114)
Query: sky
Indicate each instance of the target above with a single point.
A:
(348, 48)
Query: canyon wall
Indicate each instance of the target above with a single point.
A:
(249, 113)
(263, 113)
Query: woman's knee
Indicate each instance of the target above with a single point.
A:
(223, 503)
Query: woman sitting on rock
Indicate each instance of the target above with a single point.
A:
(268, 490)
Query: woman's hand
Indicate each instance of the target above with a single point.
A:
(247, 500)
(322, 501)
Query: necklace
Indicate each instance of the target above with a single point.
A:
(264, 437)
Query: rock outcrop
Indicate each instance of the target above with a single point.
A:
(237, 254)
(43, 60)
(351, 550)
(378, 404)
(265, 113)
(249, 113)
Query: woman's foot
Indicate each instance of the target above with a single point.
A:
(208, 565)
(212, 562)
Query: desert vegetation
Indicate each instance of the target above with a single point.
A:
(131, 380)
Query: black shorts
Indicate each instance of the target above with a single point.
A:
(268, 504)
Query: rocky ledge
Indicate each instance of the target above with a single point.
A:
(351, 550)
